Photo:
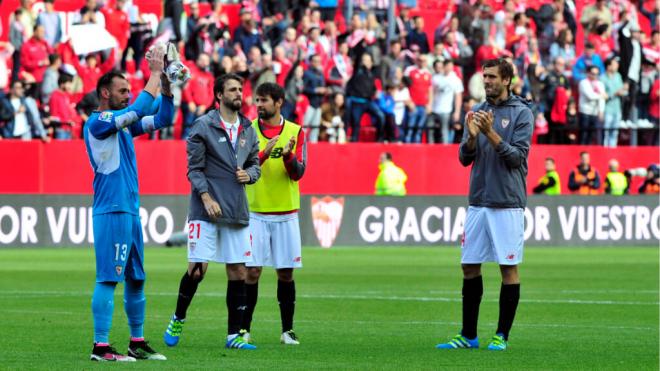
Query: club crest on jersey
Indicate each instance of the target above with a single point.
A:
(118, 269)
(105, 116)
(505, 123)
(327, 213)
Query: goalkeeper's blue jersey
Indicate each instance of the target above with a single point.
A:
(109, 142)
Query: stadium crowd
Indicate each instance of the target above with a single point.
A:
(345, 79)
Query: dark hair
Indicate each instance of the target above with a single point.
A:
(269, 89)
(389, 86)
(447, 61)
(18, 12)
(589, 45)
(388, 156)
(219, 85)
(561, 38)
(654, 32)
(550, 159)
(609, 60)
(106, 80)
(64, 78)
(591, 68)
(583, 153)
(504, 68)
(53, 58)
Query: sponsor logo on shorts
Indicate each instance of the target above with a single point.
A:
(510, 257)
(298, 259)
(326, 215)
(192, 245)
(118, 269)
(463, 240)
(248, 253)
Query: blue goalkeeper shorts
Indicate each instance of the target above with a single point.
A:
(119, 247)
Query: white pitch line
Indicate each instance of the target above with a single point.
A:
(23, 294)
(363, 322)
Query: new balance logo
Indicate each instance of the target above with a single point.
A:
(276, 152)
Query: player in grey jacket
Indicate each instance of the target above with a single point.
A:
(496, 143)
(223, 156)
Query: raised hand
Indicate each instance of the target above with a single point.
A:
(289, 146)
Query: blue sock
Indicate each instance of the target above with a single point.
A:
(134, 304)
(102, 308)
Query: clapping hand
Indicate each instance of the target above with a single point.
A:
(289, 146)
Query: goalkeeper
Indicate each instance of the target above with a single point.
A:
(118, 243)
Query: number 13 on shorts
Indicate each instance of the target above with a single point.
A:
(121, 252)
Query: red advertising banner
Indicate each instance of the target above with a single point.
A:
(62, 167)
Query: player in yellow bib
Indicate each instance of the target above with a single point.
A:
(274, 201)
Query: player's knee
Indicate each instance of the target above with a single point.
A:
(471, 270)
(253, 274)
(285, 275)
(197, 273)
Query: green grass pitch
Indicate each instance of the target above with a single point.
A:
(357, 308)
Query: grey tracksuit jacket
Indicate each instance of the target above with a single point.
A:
(498, 175)
(212, 165)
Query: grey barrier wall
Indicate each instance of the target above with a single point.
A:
(326, 221)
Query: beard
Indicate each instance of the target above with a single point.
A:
(118, 104)
(265, 115)
(493, 91)
(234, 105)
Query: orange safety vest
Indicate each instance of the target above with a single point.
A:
(652, 189)
(585, 189)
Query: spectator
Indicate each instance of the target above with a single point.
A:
(598, 12)
(64, 116)
(556, 93)
(421, 92)
(247, 33)
(339, 69)
(6, 53)
(563, 47)
(90, 13)
(584, 179)
(447, 102)
(386, 104)
(654, 113)
(332, 119)
(393, 60)
(616, 183)
(52, 23)
(615, 89)
(293, 88)
(592, 107)
(34, 54)
(51, 76)
(585, 61)
(281, 65)
(651, 15)
(601, 38)
(630, 50)
(22, 116)
(391, 179)
(28, 18)
(290, 45)
(360, 92)
(549, 183)
(117, 23)
(651, 184)
(403, 104)
(198, 93)
(315, 90)
(17, 37)
(91, 71)
(87, 105)
(417, 36)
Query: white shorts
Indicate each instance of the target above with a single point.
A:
(275, 241)
(493, 235)
(219, 243)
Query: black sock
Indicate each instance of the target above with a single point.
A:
(187, 289)
(509, 297)
(286, 296)
(252, 291)
(473, 289)
(235, 305)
